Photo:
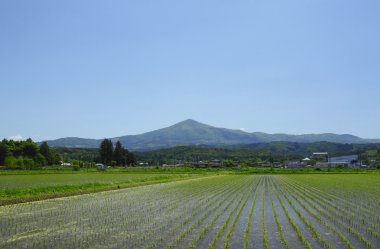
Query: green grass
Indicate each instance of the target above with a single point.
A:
(355, 184)
(191, 170)
(28, 187)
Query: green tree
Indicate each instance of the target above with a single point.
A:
(3, 152)
(119, 154)
(131, 159)
(229, 163)
(46, 152)
(10, 162)
(29, 148)
(40, 160)
(106, 151)
(56, 157)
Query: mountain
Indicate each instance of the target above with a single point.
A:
(75, 142)
(188, 132)
(191, 132)
(311, 138)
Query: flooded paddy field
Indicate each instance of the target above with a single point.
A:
(231, 211)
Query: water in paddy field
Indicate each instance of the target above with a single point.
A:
(245, 211)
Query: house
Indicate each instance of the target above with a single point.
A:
(349, 161)
(100, 166)
(216, 163)
(65, 163)
(213, 163)
(322, 165)
(277, 165)
(199, 164)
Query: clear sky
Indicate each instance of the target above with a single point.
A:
(98, 69)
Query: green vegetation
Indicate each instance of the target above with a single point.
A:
(26, 154)
(256, 154)
(251, 155)
(115, 156)
(216, 211)
(26, 187)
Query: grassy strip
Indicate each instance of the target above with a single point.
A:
(190, 170)
(15, 196)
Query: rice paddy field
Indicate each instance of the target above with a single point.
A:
(226, 211)
(25, 187)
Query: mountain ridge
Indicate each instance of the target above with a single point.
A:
(192, 132)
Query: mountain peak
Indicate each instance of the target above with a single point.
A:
(190, 122)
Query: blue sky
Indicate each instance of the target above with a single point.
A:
(108, 68)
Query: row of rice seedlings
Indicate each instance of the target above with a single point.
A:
(46, 218)
(336, 218)
(226, 191)
(349, 219)
(156, 232)
(321, 240)
(349, 208)
(208, 226)
(368, 201)
(139, 242)
(75, 233)
(234, 222)
(204, 217)
(193, 212)
(248, 226)
(265, 240)
(367, 207)
(123, 221)
(147, 237)
(228, 218)
(278, 223)
(294, 225)
(45, 215)
(169, 217)
(302, 201)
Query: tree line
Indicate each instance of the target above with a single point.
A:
(26, 154)
(255, 154)
(115, 156)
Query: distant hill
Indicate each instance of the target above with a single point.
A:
(277, 151)
(191, 132)
(75, 142)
